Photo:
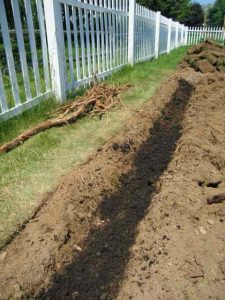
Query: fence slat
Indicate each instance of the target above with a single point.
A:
(84, 73)
(21, 48)
(142, 31)
(33, 47)
(43, 43)
(102, 38)
(98, 38)
(120, 34)
(9, 54)
(123, 32)
(93, 40)
(169, 35)
(176, 38)
(217, 33)
(196, 36)
(204, 33)
(86, 20)
(117, 37)
(110, 34)
(126, 32)
(181, 37)
(106, 36)
(114, 34)
(74, 15)
(192, 37)
(69, 42)
(157, 31)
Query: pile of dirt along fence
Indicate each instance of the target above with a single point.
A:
(207, 57)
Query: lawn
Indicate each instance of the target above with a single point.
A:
(34, 168)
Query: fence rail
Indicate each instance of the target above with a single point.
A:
(199, 34)
(56, 46)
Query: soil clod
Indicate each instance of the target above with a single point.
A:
(206, 57)
(216, 197)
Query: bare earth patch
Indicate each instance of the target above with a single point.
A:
(180, 249)
(139, 220)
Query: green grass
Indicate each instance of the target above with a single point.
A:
(35, 167)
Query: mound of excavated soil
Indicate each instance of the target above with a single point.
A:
(206, 57)
(144, 218)
(179, 251)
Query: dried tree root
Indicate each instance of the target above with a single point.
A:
(97, 101)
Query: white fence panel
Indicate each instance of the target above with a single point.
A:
(199, 34)
(163, 37)
(145, 25)
(100, 34)
(173, 36)
(24, 70)
(77, 41)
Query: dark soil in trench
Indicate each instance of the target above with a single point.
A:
(97, 272)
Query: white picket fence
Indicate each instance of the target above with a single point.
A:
(21, 89)
(79, 41)
(199, 34)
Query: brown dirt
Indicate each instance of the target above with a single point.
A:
(206, 57)
(135, 221)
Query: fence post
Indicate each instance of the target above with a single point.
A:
(177, 31)
(131, 32)
(169, 35)
(56, 47)
(157, 31)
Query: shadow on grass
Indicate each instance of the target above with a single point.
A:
(96, 273)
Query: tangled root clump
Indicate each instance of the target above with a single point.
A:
(98, 100)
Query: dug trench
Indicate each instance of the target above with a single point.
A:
(95, 268)
(135, 222)
(97, 272)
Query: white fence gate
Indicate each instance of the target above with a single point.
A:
(72, 43)
(199, 34)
